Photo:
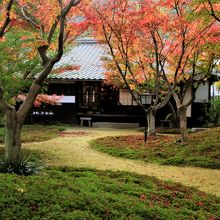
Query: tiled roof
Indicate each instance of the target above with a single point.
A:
(86, 54)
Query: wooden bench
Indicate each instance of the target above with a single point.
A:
(166, 122)
(89, 119)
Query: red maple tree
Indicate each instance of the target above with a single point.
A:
(156, 47)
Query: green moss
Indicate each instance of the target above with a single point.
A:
(202, 150)
(90, 194)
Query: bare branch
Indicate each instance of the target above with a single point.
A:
(212, 13)
(52, 30)
(71, 4)
(7, 19)
(157, 73)
(43, 49)
(62, 28)
(27, 17)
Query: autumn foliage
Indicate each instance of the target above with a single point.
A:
(160, 47)
(151, 37)
(63, 69)
(33, 34)
(40, 19)
(42, 98)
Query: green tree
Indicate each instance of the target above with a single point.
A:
(28, 28)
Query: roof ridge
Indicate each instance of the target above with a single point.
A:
(87, 40)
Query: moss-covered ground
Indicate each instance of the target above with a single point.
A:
(65, 193)
(202, 149)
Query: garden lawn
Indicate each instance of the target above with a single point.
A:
(67, 193)
(202, 150)
(37, 132)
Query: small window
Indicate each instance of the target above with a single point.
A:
(89, 95)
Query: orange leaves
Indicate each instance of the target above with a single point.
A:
(152, 39)
(40, 20)
(66, 68)
(42, 13)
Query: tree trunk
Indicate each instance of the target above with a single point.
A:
(175, 121)
(183, 124)
(151, 122)
(12, 138)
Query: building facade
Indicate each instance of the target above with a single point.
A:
(81, 83)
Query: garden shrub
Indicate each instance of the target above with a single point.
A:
(24, 168)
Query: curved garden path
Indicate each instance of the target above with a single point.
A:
(74, 150)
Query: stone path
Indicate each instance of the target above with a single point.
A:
(74, 150)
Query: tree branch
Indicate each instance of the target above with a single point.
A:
(43, 54)
(212, 13)
(52, 30)
(119, 68)
(37, 83)
(7, 19)
(24, 13)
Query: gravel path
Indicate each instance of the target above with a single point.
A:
(73, 150)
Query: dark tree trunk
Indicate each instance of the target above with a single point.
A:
(12, 138)
(183, 124)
